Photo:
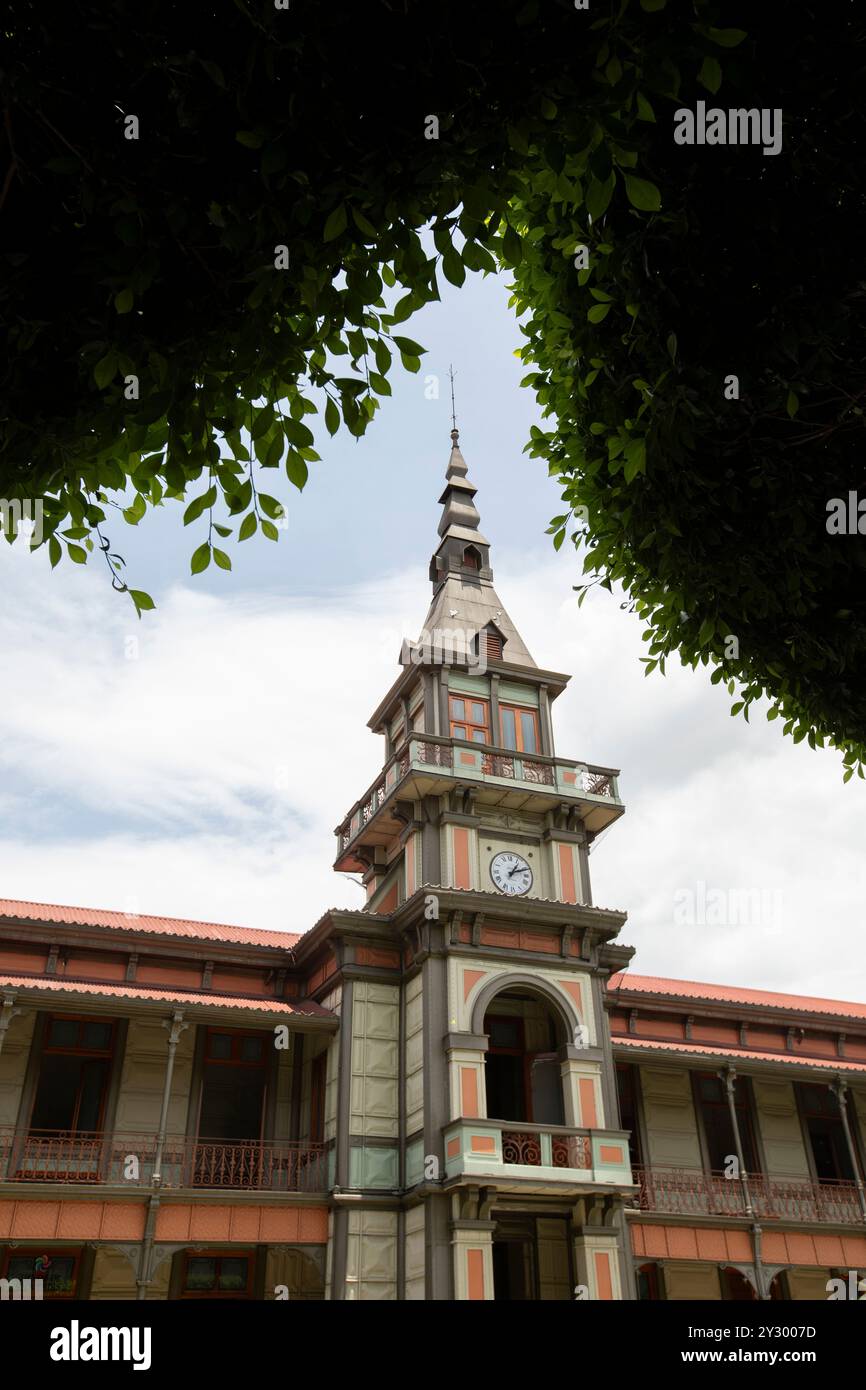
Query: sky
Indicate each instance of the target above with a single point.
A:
(195, 763)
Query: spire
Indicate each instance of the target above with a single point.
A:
(460, 517)
(463, 593)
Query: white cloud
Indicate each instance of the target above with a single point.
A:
(205, 777)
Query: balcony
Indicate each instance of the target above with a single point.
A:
(127, 1160)
(684, 1193)
(537, 1153)
(426, 764)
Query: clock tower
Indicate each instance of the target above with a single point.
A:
(474, 847)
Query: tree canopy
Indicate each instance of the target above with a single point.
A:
(213, 227)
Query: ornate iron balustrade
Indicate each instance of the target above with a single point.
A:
(435, 751)
(684, 1193)
(128, 1160)
(527, 1147)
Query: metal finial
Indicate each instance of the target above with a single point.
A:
(454, 435)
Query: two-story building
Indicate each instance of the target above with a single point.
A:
(458, 1092)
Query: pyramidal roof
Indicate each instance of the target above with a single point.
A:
(463, 594)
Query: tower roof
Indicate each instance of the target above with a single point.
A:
(464, 598)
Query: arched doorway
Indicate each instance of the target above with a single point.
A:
(522, 1067)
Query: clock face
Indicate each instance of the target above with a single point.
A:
(511, 873)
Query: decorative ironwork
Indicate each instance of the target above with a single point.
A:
(572, 1151)
(597, 783)
(538, 772)
(128, 1159)
(496, 765)
(683, 1193)
(438, 754)
(526, 1147)
(519, 1147)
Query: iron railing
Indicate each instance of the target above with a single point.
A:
(435, 751)
(525, 1146)
(679, 1192)
(127, 1159)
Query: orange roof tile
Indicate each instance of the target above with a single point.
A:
(133, 922)
(733, 994)
(132, 992)
(691, 1049)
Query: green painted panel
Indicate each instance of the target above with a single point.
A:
(511, 694)
(472, 685)
(414, 1162)
(373, 1165)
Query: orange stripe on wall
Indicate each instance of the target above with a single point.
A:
(470, 980)
(389, 902)
(461, 858)
(724, 1245)
(566, 871)
(588, 1117)
(475, 1272)
(602, 1275)
(469, 1092)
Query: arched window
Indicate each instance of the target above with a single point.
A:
(522, 1067)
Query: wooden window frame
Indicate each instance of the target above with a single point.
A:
(468, 724)
(92, 1054)
(515, 1052)
(80, 1019)
(236, 1034)
(745, 1111)
(217, 1255)
(517, 711)
(74, 1252)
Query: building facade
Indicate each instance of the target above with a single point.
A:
(458, 1092)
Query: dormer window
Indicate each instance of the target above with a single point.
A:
(492, 640)
(471, 558)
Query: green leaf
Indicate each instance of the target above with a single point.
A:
(248, 526)
(642, 194)
(726, 38)
(599, 195)
(412, 364)
(270, 506)
(598, 313)
(710, 75)
(200, 559)
(409, 345)
(332, 417)
(253, 139)
(296, 472)
(105, 369)
(199, 505)
(363, 224)
(77, 553)
(644, 109)
(792, 404)
(222, 530)
(222, 559)
(55, 551)
(635, 459)
(262, 422)
(296, 433)
(136, 510)
(270, 530)
(141, 600)
(453, 268)
(123, 301)
(335, 224)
